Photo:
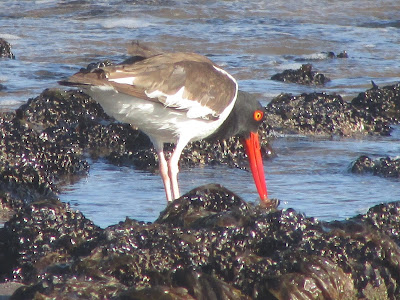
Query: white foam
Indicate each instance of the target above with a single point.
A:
(6, 104)
(9, 37)
(125, 22)
(289, 66)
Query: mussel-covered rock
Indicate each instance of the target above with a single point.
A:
(210, 205)
(229, 250)
(380, 103)
(304, 75)
(371, 112)
(384, 166)
(30, 163)
(322, 114)
(73, 118)
(42, 234)
(385, 217)
(5, 49)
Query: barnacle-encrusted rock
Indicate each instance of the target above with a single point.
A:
(304, 75)
(384, 166)
(208, 244)
(321, 114)
(371, 112)
(30, 163)
(385, 217)
(377, 103)
(5, 49)
(210, 204)
(229, 250)
(42, 234)
(73, 118)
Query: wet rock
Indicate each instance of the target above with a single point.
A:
(322, 114)
(44, 142)
(190, 285)
(320, 56)
(343, 54)
(5, 49)
(380, 103)
(206, 206)
(74, 118)
(371, 112)
(385, 217)
(30, 163)
(267, 254)
(42, 234)
(304, 75)
(314, 272)
(61, 286)
(385, 166)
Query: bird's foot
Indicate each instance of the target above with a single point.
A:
(269, 203)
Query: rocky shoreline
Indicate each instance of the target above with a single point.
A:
(208, 244)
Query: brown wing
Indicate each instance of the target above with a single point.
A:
(166, 74)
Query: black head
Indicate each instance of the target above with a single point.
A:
(246, 116)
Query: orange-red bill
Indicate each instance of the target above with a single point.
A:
(253, 151)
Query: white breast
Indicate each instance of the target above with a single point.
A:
(156, 120)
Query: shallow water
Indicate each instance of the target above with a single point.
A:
(253, 40)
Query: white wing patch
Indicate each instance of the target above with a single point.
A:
(194, 108)
(124, 80)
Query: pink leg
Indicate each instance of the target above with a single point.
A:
(173, 168)
(163, 166)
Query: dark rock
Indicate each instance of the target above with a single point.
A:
(304, 75)
(46, 138)
(204, 206)
(5, 49)
(321, 56)
(383, 103)
(371, 112)
(322, 114)
(72, 118)
(267, 254)
(386, 218)
(30, 163)
(343, 54)
(190, 285)
(42, 234)
(385, 166)
(92, 66)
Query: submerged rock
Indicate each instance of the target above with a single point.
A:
(5, 49)
(385, 166)
(304, 75)
(321, 56)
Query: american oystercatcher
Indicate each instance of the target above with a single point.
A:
(178, 98)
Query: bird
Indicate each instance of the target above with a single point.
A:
(177, 97)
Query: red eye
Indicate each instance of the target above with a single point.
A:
(258, 115)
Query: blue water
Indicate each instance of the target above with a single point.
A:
(251, 39)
